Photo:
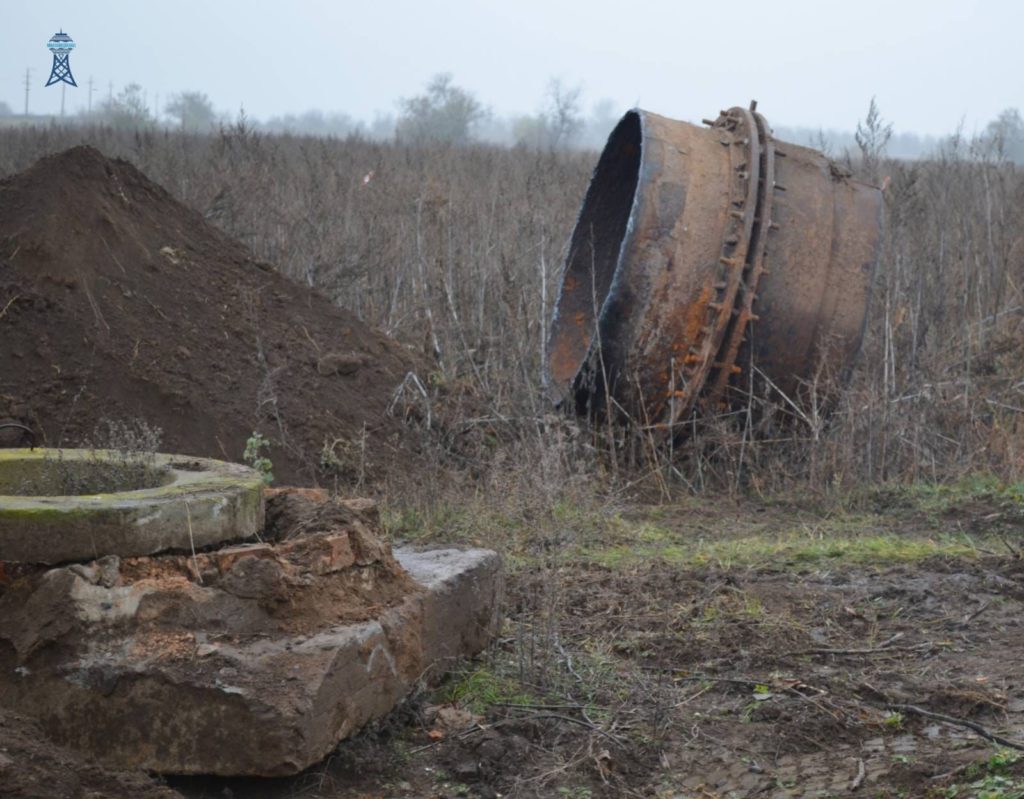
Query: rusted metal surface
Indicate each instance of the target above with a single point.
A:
(703, 255)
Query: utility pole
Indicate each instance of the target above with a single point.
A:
(90, 93)
(110, 92)
(28, 84)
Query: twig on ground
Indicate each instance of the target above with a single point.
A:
(884, 645)
(475, 727)
(532, 706)
(559, 717)
(410, 379)
(792, 688)
(192, 543)
(899, 707)
(859, 779)
(568, 663)
(747, 683)
(948, 774)
(10, 302)
(956, 722)
(691, 697)
(810, 694)
(1014, 551)
(881, 649)
(971, 617)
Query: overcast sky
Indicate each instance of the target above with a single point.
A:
(816, 63)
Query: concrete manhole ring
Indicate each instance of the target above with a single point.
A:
(183, 503)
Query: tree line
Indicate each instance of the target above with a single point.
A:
(446, 113)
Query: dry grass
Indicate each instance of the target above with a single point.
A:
(458, 250)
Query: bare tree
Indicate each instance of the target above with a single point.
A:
(444, 113)
(315, 123)
(1004, 135)
(557, 125)
(563, 117)
(128, 109)
(193, 110)
(872, 136)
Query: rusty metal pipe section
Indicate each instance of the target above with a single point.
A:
(702, 256)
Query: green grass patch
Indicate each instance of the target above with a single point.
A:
(940, 498)
(785, 550)
(996, 777)
(883, 525)
(478, 689)
(524, 534)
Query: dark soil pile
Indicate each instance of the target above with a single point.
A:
(119, 303)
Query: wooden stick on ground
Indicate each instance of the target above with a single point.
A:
(970, 725)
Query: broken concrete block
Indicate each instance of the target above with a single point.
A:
(192, 679)
(460, 585)
(105, 571)
(32, 767)
(256, 578)
(323, 554)
(226, 558)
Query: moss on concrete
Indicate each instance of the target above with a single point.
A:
(203, 502)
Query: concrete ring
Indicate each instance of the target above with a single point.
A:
(186, 503)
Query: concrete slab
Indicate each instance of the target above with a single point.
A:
(463, 585)
(232, 695)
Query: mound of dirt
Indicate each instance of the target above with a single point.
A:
(119, 303)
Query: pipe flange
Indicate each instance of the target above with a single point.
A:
(726, 367)
(741, 135)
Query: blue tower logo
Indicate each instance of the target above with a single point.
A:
(61, 45)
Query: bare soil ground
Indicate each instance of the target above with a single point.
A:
(728, 649)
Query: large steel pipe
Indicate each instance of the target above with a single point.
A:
(702, 254)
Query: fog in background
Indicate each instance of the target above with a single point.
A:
(540, 74)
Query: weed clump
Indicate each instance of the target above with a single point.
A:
(121, 456)
(255, 457)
